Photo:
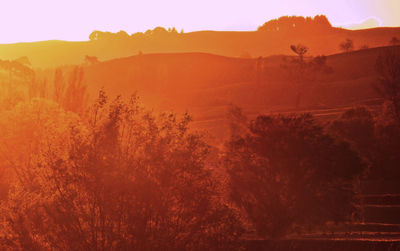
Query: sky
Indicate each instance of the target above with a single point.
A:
(74, 20)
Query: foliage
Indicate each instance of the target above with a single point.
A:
(72, 95)
(287, 173)
(375, 138)
(19, 68)
(387, 132)
(357, 126)
(91, 60)
(302, 73)
(296, 23)
(347, 45)
(300, 50)
(123, 36)
(124, 179)
(388, 68)
(394, 41)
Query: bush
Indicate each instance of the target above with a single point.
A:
(124, 179)
(288, 174)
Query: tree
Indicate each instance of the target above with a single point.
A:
(122, 179)
(347, 45)
(394, 41)
(286, 173)
(357, 126)
(19, 68)
(121, 35)
(296, 23)
(387, 131)
(300, 50)
(102, 36)
(59, 86)
(302, 73)
(376, 139)
(94, 36)
(388, 85)
(388, 123)
(91, 60)
(75, 95)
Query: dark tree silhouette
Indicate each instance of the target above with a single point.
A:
(300, 50)
(394, 41)
(91, 60)
(357, 126)
(388, 68)
(347, 45)
(296, 23)
(287, 173)
(302, 72)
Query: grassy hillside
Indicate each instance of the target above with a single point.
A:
(233, 79)
(206, 84)
(232, 44)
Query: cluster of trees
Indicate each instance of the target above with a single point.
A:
(296, 23)
(348, 44)
(115, 176)
(288, 174)
(394, 41)
(121, 179)
(112, 175)
(302, 71)
(122, 35)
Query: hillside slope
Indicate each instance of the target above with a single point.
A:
(232, 44)
(205, 84)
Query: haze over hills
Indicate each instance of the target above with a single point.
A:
(206, 84)
(272, 38)
(284, 138)
(203, 72)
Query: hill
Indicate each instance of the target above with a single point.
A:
(266, 41)
(205, 84)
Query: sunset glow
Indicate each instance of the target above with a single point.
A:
(73, 20)
(199, 125)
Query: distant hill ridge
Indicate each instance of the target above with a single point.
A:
(273, 37)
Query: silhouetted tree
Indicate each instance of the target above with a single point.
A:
(347, 45)
(287, 173)
(388, 68)
(296, 23)
(122, 35)
(302, 72)
(24, 60)
(300, 50)
(102, 36)
(72, 95)
(19, 68)
(394, 41)
(357, 126)
(91, 60)
(387, 130)
(94, 36)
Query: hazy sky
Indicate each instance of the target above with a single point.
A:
(33, 20)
